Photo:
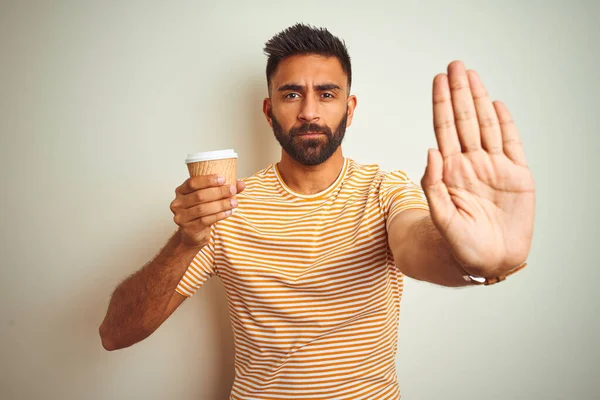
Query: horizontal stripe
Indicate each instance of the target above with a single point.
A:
(312, 287)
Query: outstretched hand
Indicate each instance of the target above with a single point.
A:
(479, 188)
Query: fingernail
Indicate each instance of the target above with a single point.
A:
(221, 179)
(234, 202)
(232, 189)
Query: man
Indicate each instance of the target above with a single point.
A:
(313, 260)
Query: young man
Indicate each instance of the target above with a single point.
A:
(314, 258)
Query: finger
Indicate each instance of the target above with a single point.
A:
(207, 195)
(206, 209)
(511, 140)
(438, 198)
(241, 185)
(443, 117)
(198, 182)
(491, 136)
(200, 223)
(465, 115)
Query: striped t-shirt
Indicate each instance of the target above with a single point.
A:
(313, 291)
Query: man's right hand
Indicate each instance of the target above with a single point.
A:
(200, 202)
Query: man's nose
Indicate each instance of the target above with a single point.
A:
(310, 110)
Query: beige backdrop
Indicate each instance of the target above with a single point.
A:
(100, 102)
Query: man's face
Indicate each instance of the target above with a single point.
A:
(309, 108)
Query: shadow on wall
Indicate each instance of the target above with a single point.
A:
(223, 352)
(256, 145)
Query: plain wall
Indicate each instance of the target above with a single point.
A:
(100, 102)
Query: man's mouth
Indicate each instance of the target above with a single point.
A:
(311, 134)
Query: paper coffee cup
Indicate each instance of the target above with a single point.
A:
(220, 162)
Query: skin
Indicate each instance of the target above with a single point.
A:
(293, 108)
(478, 185)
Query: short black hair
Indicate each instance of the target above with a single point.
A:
(305, 39)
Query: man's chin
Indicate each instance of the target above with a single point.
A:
(310, 158)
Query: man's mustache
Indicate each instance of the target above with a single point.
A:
(305, 128)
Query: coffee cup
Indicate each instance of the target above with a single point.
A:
(220, 162)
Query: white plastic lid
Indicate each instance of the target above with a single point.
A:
(211, 155)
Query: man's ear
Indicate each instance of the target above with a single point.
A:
(267, 110)
(351, 106)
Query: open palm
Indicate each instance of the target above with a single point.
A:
(480, 191)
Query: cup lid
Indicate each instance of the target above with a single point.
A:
(210, 155)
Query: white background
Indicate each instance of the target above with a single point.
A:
(100, 102)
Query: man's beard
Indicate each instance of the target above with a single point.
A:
(310, 151)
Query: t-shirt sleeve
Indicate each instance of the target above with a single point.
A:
(397, 192)
(200, 269)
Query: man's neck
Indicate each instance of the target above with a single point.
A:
(307, 180)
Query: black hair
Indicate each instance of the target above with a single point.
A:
(305, 39)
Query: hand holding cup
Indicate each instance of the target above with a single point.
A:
(207, 197)
(200, 202)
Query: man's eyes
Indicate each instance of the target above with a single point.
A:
(294, 95)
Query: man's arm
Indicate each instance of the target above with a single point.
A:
(146, 299)
(420, 252)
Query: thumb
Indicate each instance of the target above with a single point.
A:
(435, 189)
(240, 185)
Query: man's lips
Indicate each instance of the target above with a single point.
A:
(310, 134)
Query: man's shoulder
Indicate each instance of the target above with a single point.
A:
(365, 171)
(376, 177)
(376, 170)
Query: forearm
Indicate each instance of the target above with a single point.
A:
(428, 256)
(137, 305)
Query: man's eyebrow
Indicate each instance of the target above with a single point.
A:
(290, 86)
(328, 86)
(296, 87)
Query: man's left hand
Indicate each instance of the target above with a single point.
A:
(480, 190)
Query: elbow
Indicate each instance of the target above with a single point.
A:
(108, 342)
(112, 342)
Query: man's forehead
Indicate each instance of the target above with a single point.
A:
(309, 69)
